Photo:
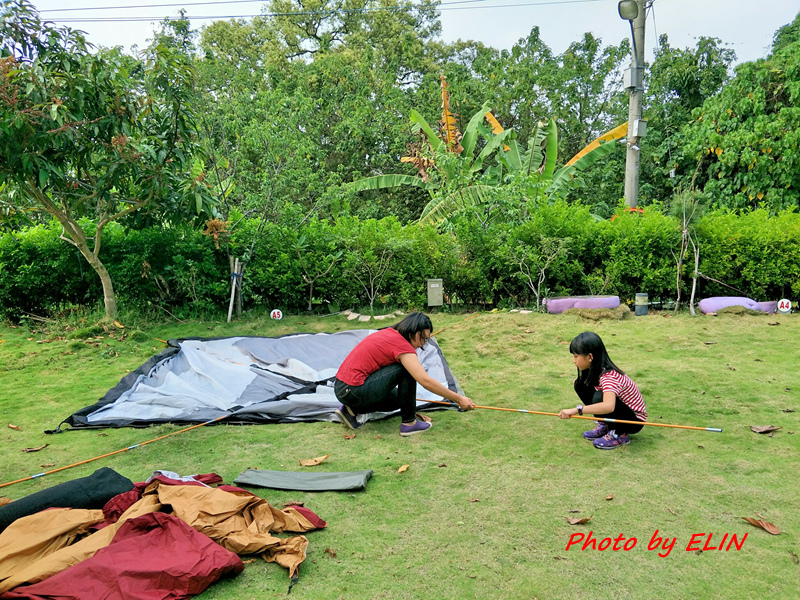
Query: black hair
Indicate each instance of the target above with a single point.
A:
(587, 343)
(412, 324)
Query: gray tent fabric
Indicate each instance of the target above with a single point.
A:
(243, 380)
(345, 481)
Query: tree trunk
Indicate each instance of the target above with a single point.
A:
(109, 298)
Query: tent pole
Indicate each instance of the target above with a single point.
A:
(588, 418)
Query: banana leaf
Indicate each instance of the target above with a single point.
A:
(381, 182)
(533, 157)
(442, 208)
(423, 124)
(566, 174)
(491, 145)
(471, 134)
(551, 148)
(614, 134)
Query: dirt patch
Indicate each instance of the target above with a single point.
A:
(596, 314)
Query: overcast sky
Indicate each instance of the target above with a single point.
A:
(747, 25)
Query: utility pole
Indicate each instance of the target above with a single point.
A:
(634, 81)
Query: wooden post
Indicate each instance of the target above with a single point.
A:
(239, 277)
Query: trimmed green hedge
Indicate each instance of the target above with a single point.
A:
(180, 268)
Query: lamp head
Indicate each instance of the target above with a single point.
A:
(628, 9)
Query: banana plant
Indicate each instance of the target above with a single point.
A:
(537, 164)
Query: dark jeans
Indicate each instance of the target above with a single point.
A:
(387, 389)
(589, 395)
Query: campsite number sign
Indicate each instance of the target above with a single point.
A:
(784, 306)
(276, 314)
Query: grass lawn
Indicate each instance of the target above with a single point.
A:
(482, 510)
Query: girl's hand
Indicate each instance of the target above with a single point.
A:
(465, 403)
(568, 413)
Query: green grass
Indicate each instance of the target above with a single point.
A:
(420, 534)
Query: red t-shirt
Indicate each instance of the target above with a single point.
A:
(379, 349)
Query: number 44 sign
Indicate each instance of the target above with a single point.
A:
(784, 306)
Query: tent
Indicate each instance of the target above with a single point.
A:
(242, 380)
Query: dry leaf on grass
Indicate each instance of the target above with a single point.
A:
(349, 437)
(312, 462)
(610, 497)
(773, 324)
(329, 552)
(670, 510)
(474, 499)
(788, 410)
(574, 510)
(559, 558)
(795, 560)
(765, 525)
(14, 427)
(403, 469)
(425, 418)
(4, 500)
(442, 465)
(35, 449)
(293, 503)
(709, 343)
(763, 428)
(377, 437)
(47, 465)
(732, 368)
(578, 521)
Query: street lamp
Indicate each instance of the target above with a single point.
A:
(629, 11)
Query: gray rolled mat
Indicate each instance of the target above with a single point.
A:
(305, 482)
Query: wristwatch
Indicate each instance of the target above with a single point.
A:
(580, 409)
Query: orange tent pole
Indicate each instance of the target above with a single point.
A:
(592, 418)
(88, 460)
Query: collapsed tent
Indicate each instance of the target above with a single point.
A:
(242, 380)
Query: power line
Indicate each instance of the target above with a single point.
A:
(441, 7)
(182, 4)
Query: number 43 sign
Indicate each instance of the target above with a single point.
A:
(784, 306)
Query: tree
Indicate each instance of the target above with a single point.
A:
(97, 136)
(744, 139)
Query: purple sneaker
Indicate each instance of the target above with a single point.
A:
(611, 440)
(347, 416)
(414, 428)
(597, 432)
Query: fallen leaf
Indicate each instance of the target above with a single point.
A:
(475, 500)
(562, 342)
(293, 503)
(790, 432)
(47, 465)
(610, 497)
(760, 515)
(329, 552)
(249, 560)
(650, 350)
(578, 521)
(312, 462)
(4, 500)
(349, 437)
(35, 449)
(14, 427)
(403, 469)
(377, 437)
(795, 560)
(709, 343)
(442, 465)
(773, 323)
(670, 511)
(574, 510)
(765, 525)
(758, 360)
(763, 428)
(732, 368)
(559, 558)
(118, 324)
(788, 410)
(425, 418)
(472, 576)
(528, 331)
(698, 552)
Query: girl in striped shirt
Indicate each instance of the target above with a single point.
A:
(604, 389)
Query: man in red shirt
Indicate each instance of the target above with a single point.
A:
(381, 374)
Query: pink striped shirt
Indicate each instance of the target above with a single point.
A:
(625, 390)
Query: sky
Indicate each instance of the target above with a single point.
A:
(746, 25)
